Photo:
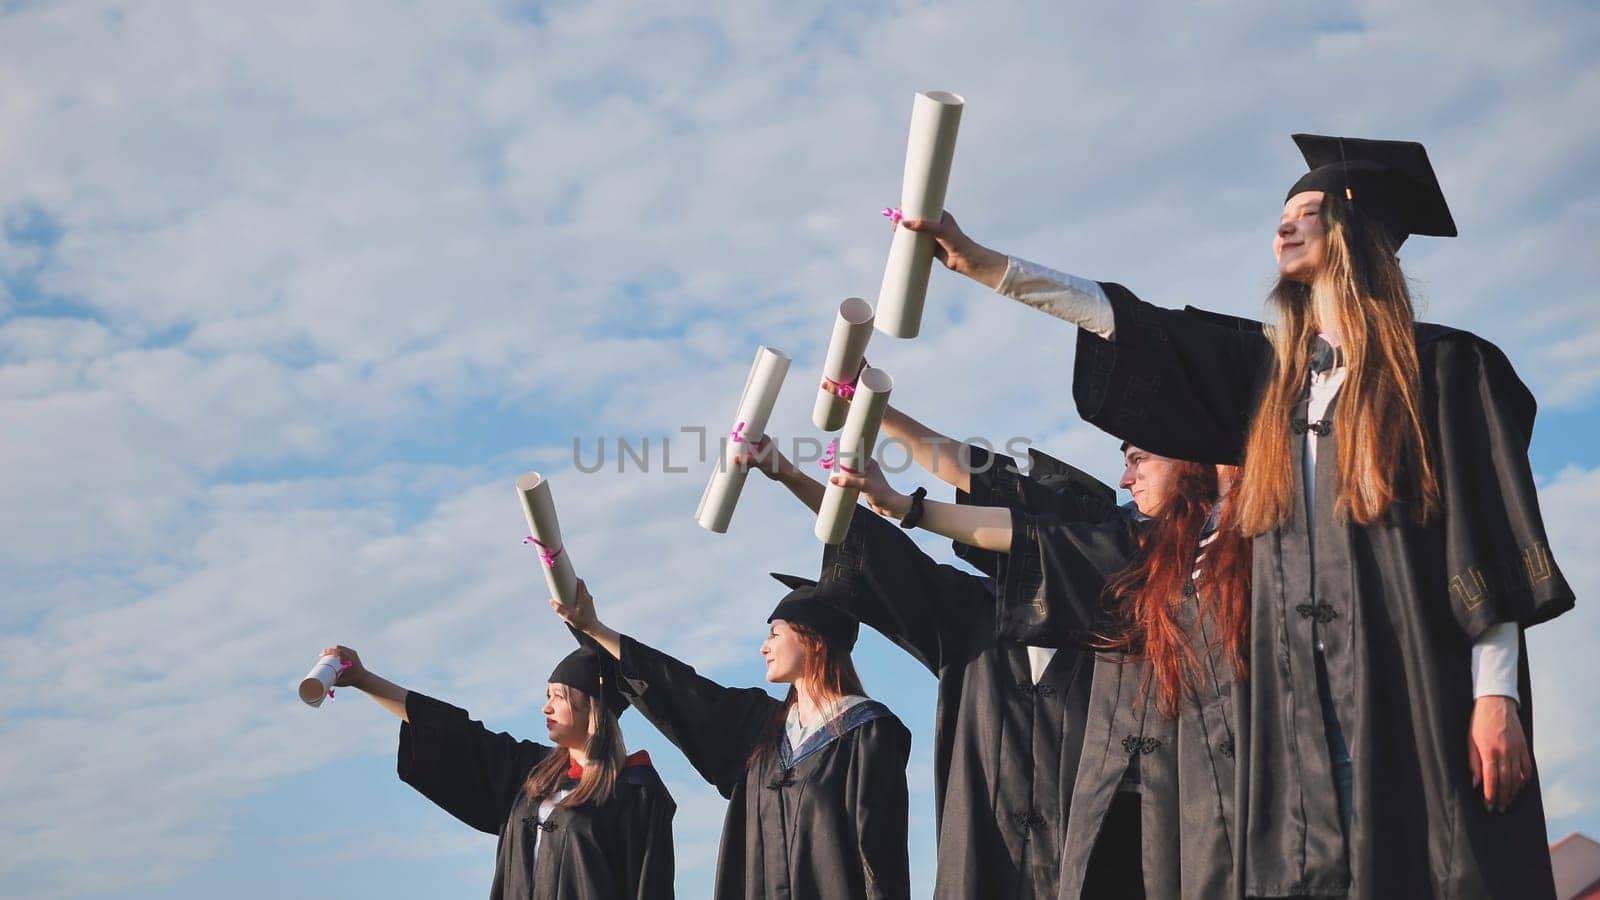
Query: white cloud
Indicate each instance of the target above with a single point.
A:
(289, 293)
(1561, 657)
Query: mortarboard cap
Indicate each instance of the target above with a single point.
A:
(585, 670)
(804, 605)
(1390, 181)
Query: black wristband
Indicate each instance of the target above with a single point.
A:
(914, 514)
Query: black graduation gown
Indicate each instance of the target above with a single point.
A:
(622, 848)
(1397, 604)
(1005, 748)
(1185, 764)
(824, 820)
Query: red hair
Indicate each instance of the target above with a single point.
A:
(1147, 595)
(830, 672)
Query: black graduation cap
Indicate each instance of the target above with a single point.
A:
(593, 673)
(1391, 181)
(804, 605)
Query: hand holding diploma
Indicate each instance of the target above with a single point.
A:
(935, 119)
(874, 488)
(843, 364)
(749, 431)
(852, 452)
(545, 535)
(328, 673)
(348, 670)
(580, 616)
(958, 252)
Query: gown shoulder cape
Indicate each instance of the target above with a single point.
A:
(823, 820)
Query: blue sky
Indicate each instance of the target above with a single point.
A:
(291, 293)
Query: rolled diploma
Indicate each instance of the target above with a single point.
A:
(856, 441)
(755, 408)
(540, 511)
(935, 118)
(315, 686)
(851, 331)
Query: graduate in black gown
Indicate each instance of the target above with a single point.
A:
(816, 783)
(1010, 716)
(1152, 805)
(1398, 545)
(579, 820)
(1166, 588)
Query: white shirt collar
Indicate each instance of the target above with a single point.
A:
(798, 733)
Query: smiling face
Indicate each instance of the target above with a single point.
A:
(1148, 477)
(566, 716)
(784, 652)
(1301, 241)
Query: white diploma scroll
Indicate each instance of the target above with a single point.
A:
(319, 681)
(851, 331)
(854, 449)
(935, 118)
(540, 511)
(749, 427)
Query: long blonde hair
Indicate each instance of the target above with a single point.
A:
(605, 750)
(1383, 440)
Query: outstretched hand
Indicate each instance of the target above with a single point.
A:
(959, 253)
(1497, 750)
(355, 673)
(763, 456)
(874, 487)
(580, 614)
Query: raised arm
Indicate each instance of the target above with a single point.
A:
(932, 611)
(985, 527)
(937, 454)
(716, 727)
(385, 693)
(466, 769)
(1179, 382)
(771, 462)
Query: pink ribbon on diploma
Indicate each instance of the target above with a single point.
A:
(893, 214)
(545, 553)
(844, 390)
(343, 664)
(830, 459)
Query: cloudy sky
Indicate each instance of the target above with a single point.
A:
(290, 293)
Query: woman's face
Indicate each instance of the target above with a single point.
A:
(1148, 477)
(566, 717)
(784, 653)
(1301, 239)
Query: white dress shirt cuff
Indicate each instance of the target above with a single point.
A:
(1077, 300)
(1494, 662)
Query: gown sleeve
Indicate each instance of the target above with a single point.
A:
(1498, 559)
(1056, 576)
(467, 770)
(879, 799)
(1179, 383)
(651, 864)
(716, 727)
(1049, 486)
(880, 576)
